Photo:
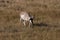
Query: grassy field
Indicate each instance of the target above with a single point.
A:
(46, 20)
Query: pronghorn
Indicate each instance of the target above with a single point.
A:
(25, 17)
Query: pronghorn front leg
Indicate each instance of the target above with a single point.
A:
(30, 23)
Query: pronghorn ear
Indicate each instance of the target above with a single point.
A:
(33, 16)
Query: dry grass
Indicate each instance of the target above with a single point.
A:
(46, 21)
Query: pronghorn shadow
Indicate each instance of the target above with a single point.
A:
(40, 24)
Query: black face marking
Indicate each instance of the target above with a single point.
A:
(31, 20)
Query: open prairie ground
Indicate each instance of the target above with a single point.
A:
(46, 20)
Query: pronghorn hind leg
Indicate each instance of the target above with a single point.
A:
(20, 20)
(24, 23)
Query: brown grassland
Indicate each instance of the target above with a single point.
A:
(46, 20)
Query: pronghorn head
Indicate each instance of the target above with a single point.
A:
(31, 18)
